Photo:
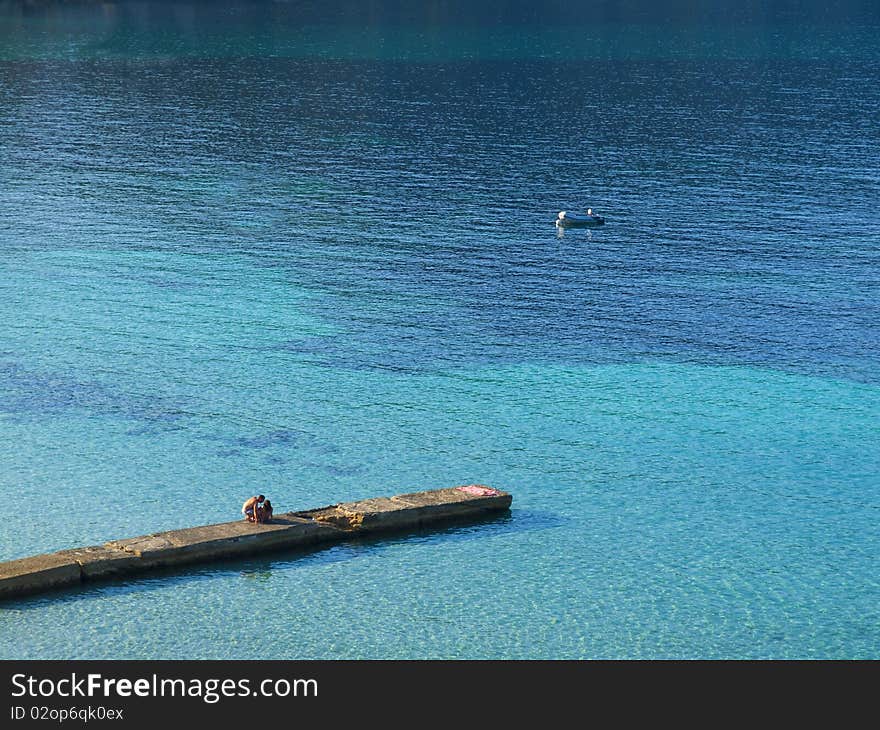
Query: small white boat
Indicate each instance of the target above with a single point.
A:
(567, 218)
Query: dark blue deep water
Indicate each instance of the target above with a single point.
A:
(251, 246)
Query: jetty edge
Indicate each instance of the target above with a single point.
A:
(335, 523)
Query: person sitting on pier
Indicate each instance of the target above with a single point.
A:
(264, 512)
(249, 508)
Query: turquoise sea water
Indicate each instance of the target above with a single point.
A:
(311, 253)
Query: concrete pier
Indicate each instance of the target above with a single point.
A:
(240, 538)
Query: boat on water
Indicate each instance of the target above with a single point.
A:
(569, 219)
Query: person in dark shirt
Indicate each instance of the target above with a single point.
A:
(264, 511)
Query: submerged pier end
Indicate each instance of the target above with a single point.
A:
(204, 544)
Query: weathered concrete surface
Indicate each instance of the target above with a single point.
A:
(229, 539)
(447, 503)
(37, 573)
(411, 510)
(99, 561)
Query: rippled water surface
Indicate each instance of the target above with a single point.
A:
(312, 253)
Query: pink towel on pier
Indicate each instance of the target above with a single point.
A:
(478, 490)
